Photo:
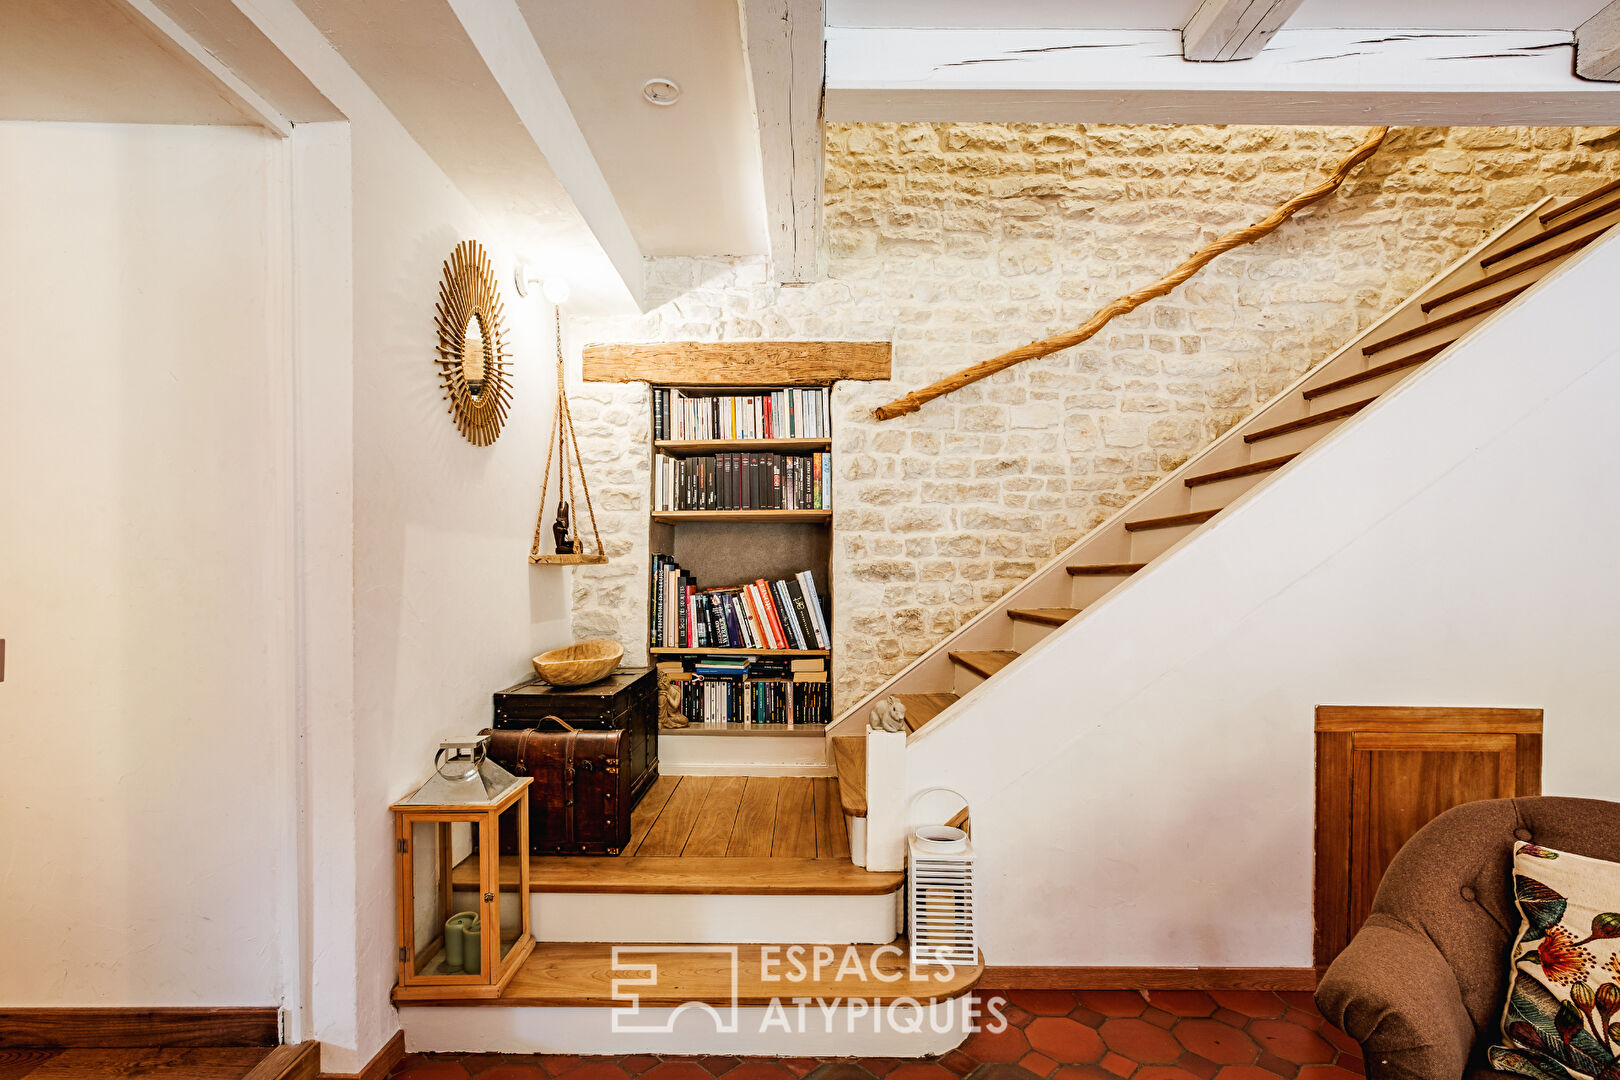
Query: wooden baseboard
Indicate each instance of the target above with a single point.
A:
(377, 1068)
(1147, 978)
(289, 1061)
(113, 1028)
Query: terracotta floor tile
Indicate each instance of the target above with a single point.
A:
(1113, 1002)
(958, 1062)
(1220, 1043)
(513, 1071)
(1163, 1072)
(1227, 1016)
(594, 1070)
(1159, 1018)
(1005, 1045)
(922, 1071)
(1300, 999)
(1082, 1072)
(1089, 1017)
(1259, 1004)
(880, 1066)
(1351, 1063)
(798, 1066)
(1300, 1045)
(557, 1064)
(1201, 1067)
(1043, 1002)
(638, 1063)
(1244, 1072)
(1327, 1072)
(437, 1070)
(1118, 1064)
(1340, 1039)
(682, 1069)
(1039, 1064)
(718, 1065)
(758, 1070)
(1276, 1065)
(1064, 1040)
(1140, 1041)
(1015, 1014)
(1182, 1002)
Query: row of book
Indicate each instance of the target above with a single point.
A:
(741, 690)
(786, 614)
(743, 481)
(790, 413)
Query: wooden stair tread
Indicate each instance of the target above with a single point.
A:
(1470, 312)
(1311, 421)
(1237, 471)
(1048, 616)
(289, 1061)
(718, 875)
(1170, 521)
(921, 708)
(1412, 360)
(1575, 204)
(985, 663)
(1104, 569)
(849, 759)
(1602, 209)
(1498, 276)
(582, 974)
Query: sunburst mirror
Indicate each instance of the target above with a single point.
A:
(473, 363)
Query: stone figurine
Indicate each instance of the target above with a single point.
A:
(889, 715)
(669, 697)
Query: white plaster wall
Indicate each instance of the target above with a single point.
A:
(144, 569)
(1142, 783)
(446, 607)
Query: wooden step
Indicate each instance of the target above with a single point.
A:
(581, 974)
(1170, 521)
(985, 663)
(1444, 321)
(1105, 569)
(921, 708)
(1379, 370)
(1237, 471)
(1046, 616)
(1602, 209)
(1575, 204)
(1305, 422)
(849, 759)
(1512, 271)
(833, 875)
(289, 1061)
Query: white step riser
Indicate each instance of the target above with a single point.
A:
(1363, 390)
(840, 1032)
(709, 919)
(1222, 492)
(1291, 443)
(963, 680)
(1149, 544)
(1027, 634)
(743, 755)
(1085, 591)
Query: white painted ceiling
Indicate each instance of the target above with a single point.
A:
(1173, 14)
(687, 176)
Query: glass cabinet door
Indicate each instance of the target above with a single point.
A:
(445, 923)
(509, 899)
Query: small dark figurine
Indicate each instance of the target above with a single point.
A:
(559, 529)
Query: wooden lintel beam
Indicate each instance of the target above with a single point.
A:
(783, 46)
(738, 363)
(1233, 29)
(1597, 45)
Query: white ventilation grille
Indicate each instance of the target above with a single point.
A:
(940, 895)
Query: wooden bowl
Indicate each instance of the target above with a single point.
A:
(580, 663)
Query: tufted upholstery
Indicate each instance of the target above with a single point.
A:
(1421, 985)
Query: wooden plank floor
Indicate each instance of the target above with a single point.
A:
(736, 835)
(582, 974)
(171, 1063)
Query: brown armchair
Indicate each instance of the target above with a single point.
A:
(1422, 983)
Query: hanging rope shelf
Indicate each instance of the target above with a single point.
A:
(569, 550)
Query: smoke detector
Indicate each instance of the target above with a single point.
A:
(660, 91)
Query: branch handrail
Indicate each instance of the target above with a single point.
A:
(1131, 301)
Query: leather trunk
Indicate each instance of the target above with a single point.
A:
(626, 699)
(579, 803)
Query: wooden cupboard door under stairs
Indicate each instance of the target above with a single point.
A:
(1458, 300)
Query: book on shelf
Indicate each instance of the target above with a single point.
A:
(789, 413)
(767, 694)
(742, 481)
(785, 614)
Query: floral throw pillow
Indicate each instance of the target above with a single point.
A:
(1562, 1018)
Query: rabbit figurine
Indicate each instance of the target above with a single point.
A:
(889, 715)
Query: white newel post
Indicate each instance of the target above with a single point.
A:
(886, 796)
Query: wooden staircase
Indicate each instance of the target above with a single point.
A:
(1459, 299)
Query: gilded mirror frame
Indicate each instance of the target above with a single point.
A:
(470, 299)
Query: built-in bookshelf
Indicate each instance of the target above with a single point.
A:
(741, 535)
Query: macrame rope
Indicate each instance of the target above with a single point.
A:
(565, 437)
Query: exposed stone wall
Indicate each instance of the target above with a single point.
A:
(959, 241)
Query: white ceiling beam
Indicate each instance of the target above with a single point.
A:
(498, 31)
(782, 40)
(172, 37)
(1233, 29)
(1597, 45)
(1138, 76)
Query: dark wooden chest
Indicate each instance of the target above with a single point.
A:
(624, 701)
(579, 802)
